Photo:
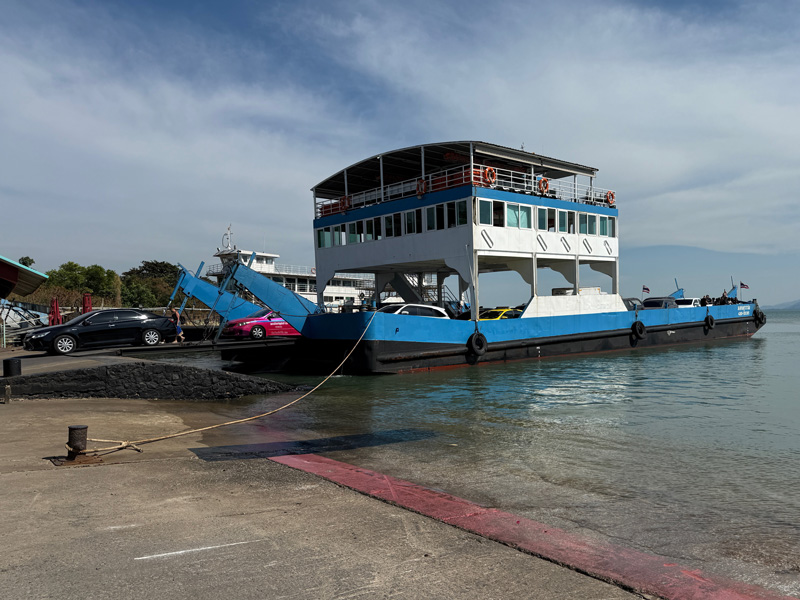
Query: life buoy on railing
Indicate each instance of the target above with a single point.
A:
(313, 271)
(489, 175)
(544, 185)
(610, 198)
(422, 187)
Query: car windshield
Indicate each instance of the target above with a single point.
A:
(491, 314)
(653, 303)
(260, 313)
(684, 301)
(77, 319)
(391, 308)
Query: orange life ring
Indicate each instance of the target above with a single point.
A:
(489, 175)
(544, 185)
(422, 187)
(610, 198)
(313, 271)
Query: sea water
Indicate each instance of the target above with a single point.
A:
(691, 453)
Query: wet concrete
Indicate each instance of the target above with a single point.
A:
(167, 523)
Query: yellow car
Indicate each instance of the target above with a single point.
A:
(495, 314)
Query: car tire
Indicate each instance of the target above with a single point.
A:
(64, 344)
(258, 332)
(151, 337)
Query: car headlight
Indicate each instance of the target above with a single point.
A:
(36, 336)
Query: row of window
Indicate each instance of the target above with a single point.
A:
(508, 214)
(439, 216)
(454, 214)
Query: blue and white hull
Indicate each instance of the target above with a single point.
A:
(402, 343)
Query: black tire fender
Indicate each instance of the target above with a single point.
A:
(477, 344)
(639, 330)
(709, 322)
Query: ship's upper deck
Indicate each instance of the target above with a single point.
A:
(434, 167)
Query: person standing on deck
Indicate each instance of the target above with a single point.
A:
(176, 315)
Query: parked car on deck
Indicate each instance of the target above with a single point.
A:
(419, 310)
(662, 302)
(261, 324)
(688, 302)
(100, 328)
(495, 314)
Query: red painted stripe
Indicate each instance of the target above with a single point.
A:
(643, 573)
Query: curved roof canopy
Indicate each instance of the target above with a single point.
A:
(407, 163)
(18, 279)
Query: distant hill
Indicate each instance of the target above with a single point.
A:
(795, 305)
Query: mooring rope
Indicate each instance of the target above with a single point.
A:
(121, 445)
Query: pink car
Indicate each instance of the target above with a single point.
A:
(258, 326)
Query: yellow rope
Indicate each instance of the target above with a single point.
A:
(121, 445)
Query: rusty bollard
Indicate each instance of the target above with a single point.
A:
(76, 440)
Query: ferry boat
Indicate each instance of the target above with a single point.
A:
(463, 209)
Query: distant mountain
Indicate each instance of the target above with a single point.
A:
(795, 305)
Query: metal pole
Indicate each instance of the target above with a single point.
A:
(380, 158)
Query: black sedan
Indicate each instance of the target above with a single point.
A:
(102, 328)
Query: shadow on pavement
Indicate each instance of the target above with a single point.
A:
(317, 446)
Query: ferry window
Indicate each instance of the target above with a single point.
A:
(592, 224)
(440, 216)
(461, 212)
(324, 239)
(290, 283)
(485, 212)
(451, 214)
(603, 225)
(570, 222)
(411, 226)
(612, 227)
(387, 221)
(525, 217)
(430, 217)
(583, 219)
(551, 219)
(360, 230)
(398, 224)
(498, 214)
(352, 236)
(418, 219)
(337, 235)
(512, 215)
(562, 221)
(377, 223)
(327, 298)
(369, 230)
(541, 222)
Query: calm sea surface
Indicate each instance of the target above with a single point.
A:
(692, 453)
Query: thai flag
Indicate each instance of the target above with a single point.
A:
(645, 289)
(744, 286)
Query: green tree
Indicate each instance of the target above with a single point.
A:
(155, 269)
(136, 293)
(100, 281)
(70, 275)
(157, 277)
(26, 261)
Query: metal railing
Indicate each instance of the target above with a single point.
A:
(481, 176)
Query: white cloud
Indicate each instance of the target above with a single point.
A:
(128, 140)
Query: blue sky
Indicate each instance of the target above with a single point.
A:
(140, 130)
